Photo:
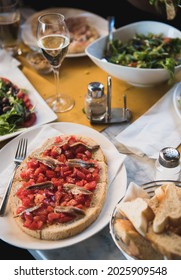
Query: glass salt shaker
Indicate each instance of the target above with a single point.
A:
(168, 164)
(95, 101)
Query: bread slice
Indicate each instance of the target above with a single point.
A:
(167, 243)
(160, 192)
(159, 195)
(135, 244)
(59, 230)
(138, 212)
(168, 212)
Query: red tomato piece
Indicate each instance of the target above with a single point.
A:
(53, 216)
(31, 120)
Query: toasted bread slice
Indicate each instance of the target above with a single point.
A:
(153, 203)
(138, 212)
(168, 212)
(167, 243)
(56, 230)
(135, 244)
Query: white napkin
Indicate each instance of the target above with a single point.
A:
(7, 62)
(114, 158)
(134, 191)
(159, 127)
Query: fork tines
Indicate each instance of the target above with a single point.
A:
(21, 149)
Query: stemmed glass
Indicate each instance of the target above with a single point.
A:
(53, 38)
(10, 26)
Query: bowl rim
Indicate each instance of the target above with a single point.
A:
(144, 22)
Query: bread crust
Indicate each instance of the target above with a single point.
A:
(63, 230)
(168, 212)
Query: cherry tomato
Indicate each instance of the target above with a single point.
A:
(30, 120)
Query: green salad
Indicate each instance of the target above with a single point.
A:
(16, 110)
(153, 51)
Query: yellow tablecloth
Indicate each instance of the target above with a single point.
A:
(76, 74)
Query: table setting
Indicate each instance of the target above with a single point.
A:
(131, 148)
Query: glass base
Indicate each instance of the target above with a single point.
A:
(62, 104)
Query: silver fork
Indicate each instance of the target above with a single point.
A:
(19, 157)
(111, 22)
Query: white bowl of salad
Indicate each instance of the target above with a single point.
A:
(144, 54)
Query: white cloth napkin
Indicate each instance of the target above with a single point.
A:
(7, 62)
(134, 191)
(114, 158)
(159, 127)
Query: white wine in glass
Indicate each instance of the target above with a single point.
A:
(53, 38)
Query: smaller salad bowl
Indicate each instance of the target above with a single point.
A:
(141, 75)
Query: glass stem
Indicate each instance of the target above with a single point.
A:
(57, 82)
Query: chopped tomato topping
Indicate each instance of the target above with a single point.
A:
(58, 195)
(167, 40)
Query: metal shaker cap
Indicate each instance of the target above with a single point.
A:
(95, 90)
(169, 157)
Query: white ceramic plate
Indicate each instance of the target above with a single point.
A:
(94, 20)
(43, 111)
(177, 99)
(11, 233)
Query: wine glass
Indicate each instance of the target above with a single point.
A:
(53, 38)
(10, 26)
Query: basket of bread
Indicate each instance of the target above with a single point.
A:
(146, 222)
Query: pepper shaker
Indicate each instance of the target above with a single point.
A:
(168, 164)
(95, 101)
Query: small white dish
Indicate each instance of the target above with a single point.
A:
(39, 62)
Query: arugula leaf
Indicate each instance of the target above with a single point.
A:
(5, 127)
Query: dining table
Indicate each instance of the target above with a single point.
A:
(75, 75)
